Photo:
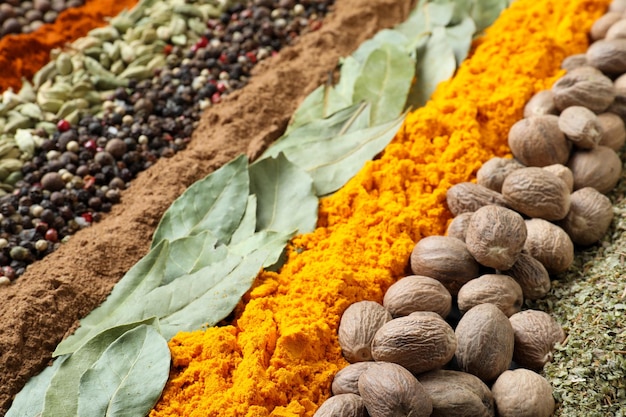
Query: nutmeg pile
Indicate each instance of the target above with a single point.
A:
(452, 339)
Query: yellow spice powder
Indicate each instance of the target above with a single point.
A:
(279, 356)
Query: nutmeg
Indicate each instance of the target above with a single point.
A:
(485, 342)
(538, 141)
(468, 197)
(500, 290)
(495, 236)
(540, 104)
(536, 333)
(549, 244)
(613, 131)
(458, 226)
(617, 30)
(389, 390)
(417, 293)
(346, 380)
(531, 276)
(493, 172)
(445, 259)
(523, 393)
(536, 192)
(584, 86)
(563, 173)
(599, 168)
(342, 405)
(581, 126)
(457, 394)
(589, 217)
(357, 327)
(602, 25)
(418, 342)
(574, 61)
(608, 55)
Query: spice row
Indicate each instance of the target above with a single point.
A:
(81, 162)
(285, 334)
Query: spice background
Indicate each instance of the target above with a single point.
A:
(40, 307)
(46, 302)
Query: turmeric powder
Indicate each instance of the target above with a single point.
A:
(280, 354)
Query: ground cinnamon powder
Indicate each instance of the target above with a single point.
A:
(22, 55)
(281, 352)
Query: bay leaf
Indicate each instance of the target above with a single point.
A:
(144, 276)
(61, 398)
(382, 38)
(216, 299)
(460, 38)
(267, 240)
(415, 24)
(248, 223)
(29, 401)
(438, 64)
(321, 103)
(485, 12)
(215, 203)
(438, 14)
(348, 73)
(190, 253)
(286, 200)
(128, 378)
(384, 82)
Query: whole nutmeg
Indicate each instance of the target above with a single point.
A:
(536, 192)
(357, 327)
(417, 293)
(536, 333)
(457, 394)
(531, 275)
(52, 181)
(495, 236)
(493, 172)
(342, 405)
(563, 173)
(619, 103)
(458, 226)
(538, 141)
(602, 25)
(617, 6)
(617, 30)
(468, 197)
(599, 168)
(589, 217)
(420, 342)
(581, 126)
(584, 86)
(485, 342)
(347, 379)
(445, 259)
(613, 131)
(389, 390)
(523, 393)
(574, 61)
(607, 55)
(497, 289)
(540, 104)
(549, 244)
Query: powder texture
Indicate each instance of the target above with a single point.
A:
(280, 354)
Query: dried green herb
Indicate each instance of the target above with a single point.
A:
(588, 371)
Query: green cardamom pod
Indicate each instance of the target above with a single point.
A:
(64, 64)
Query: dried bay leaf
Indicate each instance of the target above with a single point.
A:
(61, 398)
(382, 38)
(460, 38)
(143, 277)
(485, 12)
(190, 253)
(248, 223)
(29, 401)
(215, 203)
(217, 298)
(286, 200)
(384, 82)
(438, 63)
(350, 69)
(272, 242)
(321, 103)
(128, 378)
